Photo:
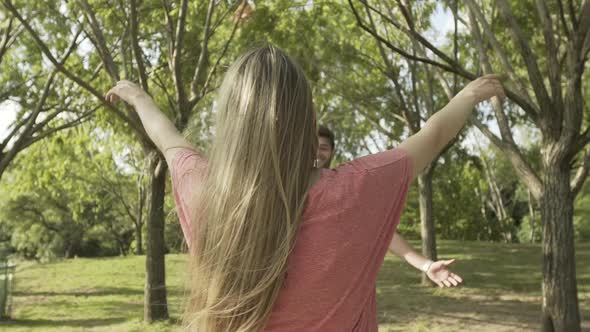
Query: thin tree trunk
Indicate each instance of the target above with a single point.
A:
(155, 306)
(138, 239)
(532, 217)
(482, 210)
(427, 219)
(122, 251)
(139, 220)
(560, 294)
(497, 200)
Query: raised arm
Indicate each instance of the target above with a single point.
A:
(445, 124)
(158, 127)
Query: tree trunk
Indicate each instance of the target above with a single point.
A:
(138, 239)
(496, 201)
(560, 294)
(427, 219)
(532, 217)
(139, 220)
(482, 210)
(122, 251)
(155, 303)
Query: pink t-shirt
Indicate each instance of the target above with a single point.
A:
(351, 214)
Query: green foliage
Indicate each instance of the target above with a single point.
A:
(68, 179)
(525, 234)
(582, 215)
(66, 197)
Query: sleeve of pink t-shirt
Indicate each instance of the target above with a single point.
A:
(186, 170)
(351, 215)
(372, 192)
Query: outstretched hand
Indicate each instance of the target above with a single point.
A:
(440, 275)
(127, 91)
(485, 87)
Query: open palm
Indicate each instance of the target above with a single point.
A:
(440, 274)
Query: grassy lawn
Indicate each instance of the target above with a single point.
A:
(502, 292)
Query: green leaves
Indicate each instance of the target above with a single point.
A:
(64, 187)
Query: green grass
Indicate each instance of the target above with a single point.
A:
(501, 293)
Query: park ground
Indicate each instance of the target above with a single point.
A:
(502, 292)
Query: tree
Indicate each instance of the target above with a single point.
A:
(416, 99)
(562, 42)
(57, 207)
(33, 93)
(135, 33)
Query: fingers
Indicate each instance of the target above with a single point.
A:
(443, 277)
(486, 87)
(122, 90)
(449, 282)
(494, 77)
(448, 262)
(453, 281)
(111, 97)
(495, 80)
(456, 277)
(495, 88)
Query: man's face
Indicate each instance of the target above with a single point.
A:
(325, 152)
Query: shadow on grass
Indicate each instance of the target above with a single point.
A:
(502, 289)
(87, 322)
(408, 304)
(104, 291)
(94, 307)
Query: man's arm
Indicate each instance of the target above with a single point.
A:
(436, 271)
(401, 248)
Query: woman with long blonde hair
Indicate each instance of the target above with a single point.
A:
(275, 243)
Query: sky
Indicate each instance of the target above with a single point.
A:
(7, 115)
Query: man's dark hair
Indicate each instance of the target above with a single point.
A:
(323, 131)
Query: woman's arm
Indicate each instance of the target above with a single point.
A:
(445, 124)
(436, 271)
(157, 125)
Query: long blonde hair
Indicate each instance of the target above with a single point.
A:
(249, 208)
